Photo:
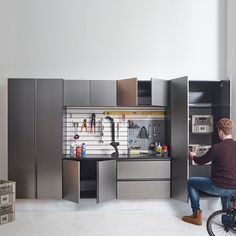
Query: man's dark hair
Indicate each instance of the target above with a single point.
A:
(226, 125)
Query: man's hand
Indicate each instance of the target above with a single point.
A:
(192, 154)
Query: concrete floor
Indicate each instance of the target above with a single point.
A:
(113, 218)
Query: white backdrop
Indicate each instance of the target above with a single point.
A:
(109, 39)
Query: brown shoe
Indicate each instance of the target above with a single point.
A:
(195, 218)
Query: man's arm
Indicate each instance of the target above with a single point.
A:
(209, 156)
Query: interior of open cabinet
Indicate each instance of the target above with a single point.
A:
(206, 100)
(88, 179)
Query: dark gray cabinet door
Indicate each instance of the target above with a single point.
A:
(179, 137)
(159, 92)
(106, 180)
(103, 93)
(127, 92)
(49, 138)
(21, 136)
(77, 93)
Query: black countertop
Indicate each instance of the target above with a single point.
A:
(120, 158)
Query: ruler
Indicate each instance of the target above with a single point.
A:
(136, 113)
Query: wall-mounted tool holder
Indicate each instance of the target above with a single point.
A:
(143, 133)
(127, 125)
(202, 123)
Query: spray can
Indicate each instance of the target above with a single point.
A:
(78, 151)
(72, 148)
(164, 151)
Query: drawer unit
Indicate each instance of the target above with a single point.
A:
(143, 170)
(143, 189)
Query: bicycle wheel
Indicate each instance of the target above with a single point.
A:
(215, 227)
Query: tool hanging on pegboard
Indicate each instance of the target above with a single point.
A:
(102, 131)
(75, 126)
(93, 124)
(84, 126)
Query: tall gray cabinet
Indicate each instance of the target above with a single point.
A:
(35, 137)
(189, 98)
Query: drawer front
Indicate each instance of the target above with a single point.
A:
(143, 169)
(143, 189)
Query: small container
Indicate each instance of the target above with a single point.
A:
(78, 151)
(83, 150)
(159, 150)
(72, 148)
(164, 151)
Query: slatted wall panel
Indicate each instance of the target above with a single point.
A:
(93, 141)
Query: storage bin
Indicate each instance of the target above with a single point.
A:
(7, 214)
(7, 192)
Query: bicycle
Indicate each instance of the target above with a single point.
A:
(223, 222)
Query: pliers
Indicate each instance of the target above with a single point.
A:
(93, 124)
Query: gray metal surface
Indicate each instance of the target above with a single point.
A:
(127, 93)
(21, 136)
(71, 180)
(204, 171)
(143, 169)
(77, 93)
(179, 137)
(159, 92)
(143, 189)
(106, 180)
(49, 138)
(103, 93)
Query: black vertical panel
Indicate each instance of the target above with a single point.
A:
(226, 98)
(49, 138)
(179, 137)
(21, 136)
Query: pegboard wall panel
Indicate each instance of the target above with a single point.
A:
(95, 142)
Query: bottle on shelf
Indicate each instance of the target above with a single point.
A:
(164, 151)
(76, 146)
(78, 151)
(72, 148)
(158, 149)
(83, 150)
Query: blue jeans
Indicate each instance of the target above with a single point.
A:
(206, 185)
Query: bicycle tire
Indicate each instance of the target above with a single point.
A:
(221, 228)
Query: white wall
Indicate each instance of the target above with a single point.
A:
(231, 52)
(109, 39)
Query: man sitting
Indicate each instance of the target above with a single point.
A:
(223, 172)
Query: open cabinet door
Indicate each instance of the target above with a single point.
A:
(127, 92)
(159, 92)
(106, 180)
(179, 90)
(71, 180)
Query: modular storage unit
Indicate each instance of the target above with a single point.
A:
(7, 201)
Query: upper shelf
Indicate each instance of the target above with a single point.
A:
(200, 104)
